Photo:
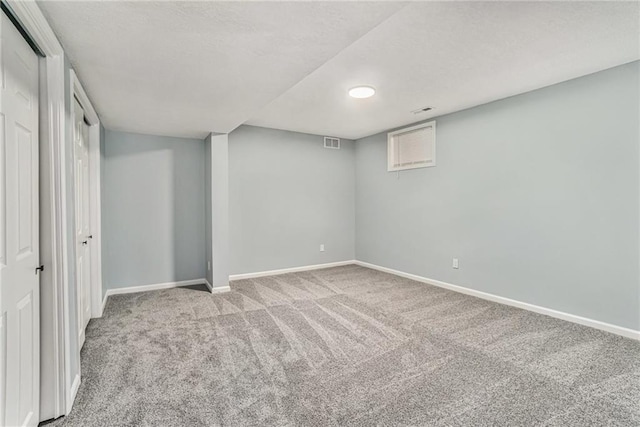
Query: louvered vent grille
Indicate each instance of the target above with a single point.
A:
(330, 142)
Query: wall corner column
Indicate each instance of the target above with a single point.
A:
(217, 217)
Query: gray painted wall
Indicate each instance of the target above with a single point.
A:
(153, 210)
(537, 195)
(288, 195)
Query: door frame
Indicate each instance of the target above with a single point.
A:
(55, 134)
(95, 217)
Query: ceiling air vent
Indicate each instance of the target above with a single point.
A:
(330, 142)
(422, 110)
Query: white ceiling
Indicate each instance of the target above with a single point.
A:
(189, 68)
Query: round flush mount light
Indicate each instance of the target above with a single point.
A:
(362, 92)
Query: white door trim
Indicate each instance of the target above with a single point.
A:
(94, 188)
(77, 90)
(34, 23)
(96, 220)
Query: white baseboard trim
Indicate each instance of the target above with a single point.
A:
(217, 289)
(158, 286)
(607, 327)
(289, 270)
(73, 392)
(154, 287)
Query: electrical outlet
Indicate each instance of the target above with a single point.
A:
(322, 248)
(208, 265)
(455, 263)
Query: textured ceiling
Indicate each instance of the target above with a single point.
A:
(188, 68)
(451, 56)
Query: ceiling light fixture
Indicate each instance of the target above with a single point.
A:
(362, 92)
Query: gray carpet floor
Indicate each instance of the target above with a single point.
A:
(347, 346)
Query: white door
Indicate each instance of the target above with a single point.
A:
(83, 234)
(19, 241)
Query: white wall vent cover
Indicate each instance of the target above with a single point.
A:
(330, 142)
(412, 147)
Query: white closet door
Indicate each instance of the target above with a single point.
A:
(19, 232)
(83, 233)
